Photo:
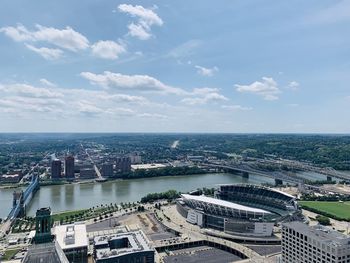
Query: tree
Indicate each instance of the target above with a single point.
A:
(323, 220)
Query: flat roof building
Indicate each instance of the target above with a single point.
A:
(69, 167)
(123, 248)
(313, 244)
(73, 240)
(56, 169)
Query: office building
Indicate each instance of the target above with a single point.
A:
(123, 164)
(73, 240)
(123, 248)
(45, 248)
(135, 158)
(87, 173)
(107, 170)
(313, 244)
(69, 167)
(56, 169)
(11, 178)
(45, 252)
(43, 226)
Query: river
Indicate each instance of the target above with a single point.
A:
(78, 196)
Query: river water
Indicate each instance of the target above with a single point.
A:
(78, 196)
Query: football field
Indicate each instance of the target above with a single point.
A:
(340, 210)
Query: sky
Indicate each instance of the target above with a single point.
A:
(175, 66)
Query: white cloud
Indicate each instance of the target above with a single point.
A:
(206, 98)
(267, 88)
(107, 49)
(47, 53)
(132, 82)
(293, 85)
(137, 30)
(152, 115)
(47, 83)
(236, 108)
(66, 38)
(145, 15)
(145, 19)
(204, 91)
(124, 98)
(30, 91)
(91, 109)
(15, 104)
(208, 72)
(88, 108)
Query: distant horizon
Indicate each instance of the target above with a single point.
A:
(174, 133)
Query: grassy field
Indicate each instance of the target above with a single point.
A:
(338, 210)
(9, 254)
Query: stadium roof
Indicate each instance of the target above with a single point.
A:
(262, 187)
(224, 203)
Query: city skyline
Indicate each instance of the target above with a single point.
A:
(161, 66)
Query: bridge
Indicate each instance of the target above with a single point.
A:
(327, 171)
(245, 170)
(22, 199)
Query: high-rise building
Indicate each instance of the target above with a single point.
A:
(69, 166)
(123, 164)
(313, 244)
(43, 226)
(107, 170)
(135, 158)
(74, 242)
(56, 169)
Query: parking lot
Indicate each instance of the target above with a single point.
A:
(200, 255)
(264, 250)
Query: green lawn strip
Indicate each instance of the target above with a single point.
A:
(336, 210)
(10, 253)
(84, 214)
(69, 214)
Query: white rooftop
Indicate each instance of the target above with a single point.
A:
(148, 166)
(71, 236)
(224, 203)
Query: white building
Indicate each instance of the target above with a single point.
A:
(73, 240)
(316, 244)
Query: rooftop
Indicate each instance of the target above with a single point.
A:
(319, 232)
(121, 244)
(260, 187)
(46, 252)
(71, 236)
(148, 166)
(223, 203)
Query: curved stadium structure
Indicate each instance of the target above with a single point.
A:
(249, 210)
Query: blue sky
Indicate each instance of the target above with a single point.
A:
(175, 66)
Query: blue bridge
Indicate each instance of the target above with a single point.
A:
(22, 199)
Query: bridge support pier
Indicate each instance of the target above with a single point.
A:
(329, 178)
(278, 182)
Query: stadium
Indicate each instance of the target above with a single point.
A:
(248, 210)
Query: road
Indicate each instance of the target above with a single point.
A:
(175, 144)
(98, 173)
(194, 232)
